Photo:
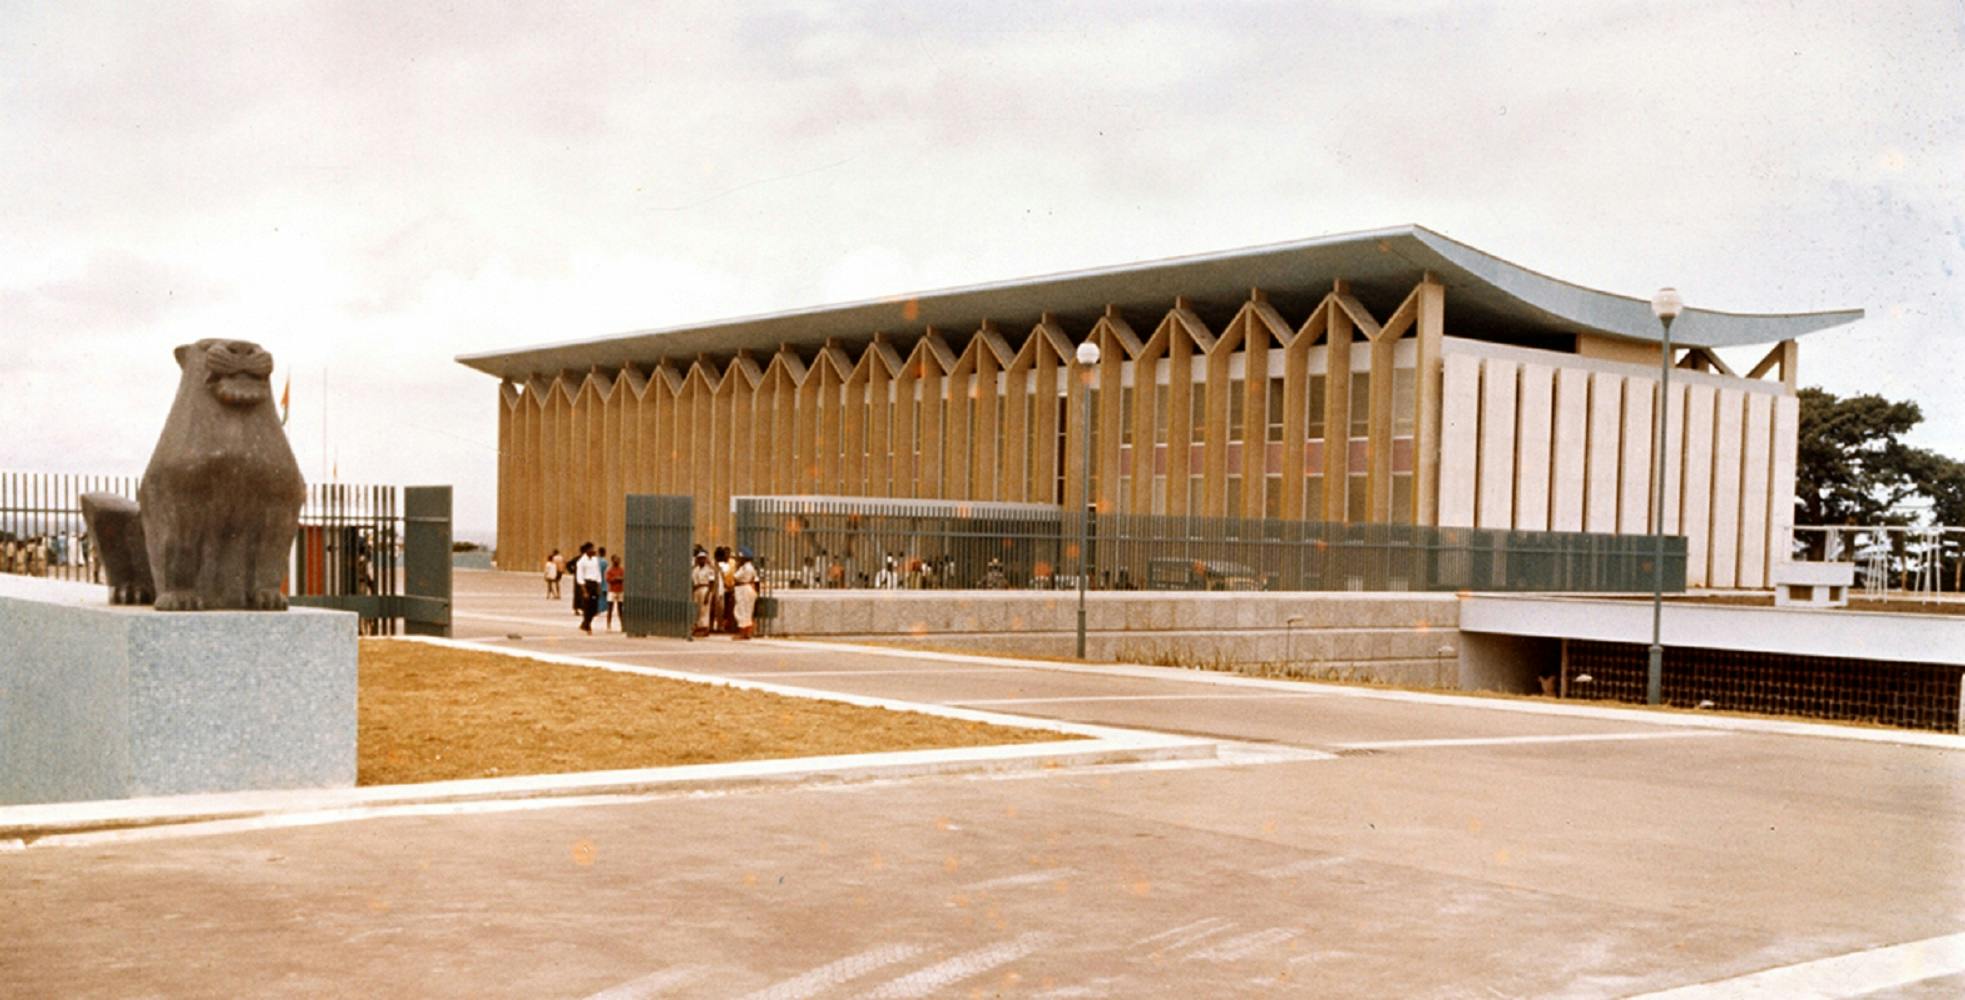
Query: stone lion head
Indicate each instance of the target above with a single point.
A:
(235, 371)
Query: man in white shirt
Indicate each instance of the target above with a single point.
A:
(589, 577)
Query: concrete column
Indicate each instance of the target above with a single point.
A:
(1534, 403)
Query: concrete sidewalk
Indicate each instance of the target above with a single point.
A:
(1419, 848)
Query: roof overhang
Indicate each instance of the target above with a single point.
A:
(1380, 265)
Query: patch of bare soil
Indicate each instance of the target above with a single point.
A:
(429, 713)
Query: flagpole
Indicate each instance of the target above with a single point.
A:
(324, 452)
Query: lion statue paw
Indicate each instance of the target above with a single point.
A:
(179, 600)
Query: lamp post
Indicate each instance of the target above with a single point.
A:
(1665, 305)
(1087, 359)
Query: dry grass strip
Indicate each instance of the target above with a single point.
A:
(431, 713)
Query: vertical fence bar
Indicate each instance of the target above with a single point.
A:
(826, 543)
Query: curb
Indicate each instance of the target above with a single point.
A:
(23, 825)
(1523, 705)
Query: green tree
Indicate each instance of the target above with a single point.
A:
(1851, 465)
(1941, 480)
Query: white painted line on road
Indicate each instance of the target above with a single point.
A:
(651, 985)
(1851, 975)
(1072, 699)
(836, 974)
(323, 817)
(1228, 755)
(1303, 867)
(1502, 741)
(1029, 878)
(1198, 934)
(695, 649)
(897, 672)
(969, 964)
(1526, 706)
(1182, 929)
(1242, 945)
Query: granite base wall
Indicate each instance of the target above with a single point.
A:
(99, 702)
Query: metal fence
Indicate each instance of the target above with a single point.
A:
(844, 542)
(1890, 559)
(348, 553)
(41, 529)
(1905, 695)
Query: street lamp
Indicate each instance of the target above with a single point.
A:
(1087, 359)
(1665, 305)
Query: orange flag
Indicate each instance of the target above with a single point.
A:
(286, 393)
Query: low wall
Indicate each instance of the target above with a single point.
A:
(1880, 668)
(1409, 639)
(100, 702)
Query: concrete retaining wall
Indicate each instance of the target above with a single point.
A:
(106, 703)
(1409, 639)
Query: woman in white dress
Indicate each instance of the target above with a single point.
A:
(744, 580)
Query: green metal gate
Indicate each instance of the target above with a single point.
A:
(425, 602)
(655, 599)
(346, 556)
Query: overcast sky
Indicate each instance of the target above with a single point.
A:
(370, 189)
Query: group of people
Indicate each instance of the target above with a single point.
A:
(898, 571)
(598, 581)
(724, 592)
(43, 555)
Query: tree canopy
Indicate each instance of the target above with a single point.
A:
(1853, 467)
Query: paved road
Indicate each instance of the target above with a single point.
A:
(1431, 851)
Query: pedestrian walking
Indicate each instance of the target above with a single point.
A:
(588, 579)
(555, 568)
(702, 590)
(726, 564)
(617, 583)
(747, 586)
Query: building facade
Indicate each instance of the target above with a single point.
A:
(1392, 376)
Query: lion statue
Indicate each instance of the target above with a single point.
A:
(220, 501)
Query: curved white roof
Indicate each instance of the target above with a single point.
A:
(1483, 290)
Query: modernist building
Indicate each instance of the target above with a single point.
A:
(1385, 376)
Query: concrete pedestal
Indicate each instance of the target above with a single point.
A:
(1813, 584)
(100, 702)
